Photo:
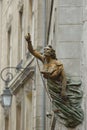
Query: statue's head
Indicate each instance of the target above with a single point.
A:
(49, 51)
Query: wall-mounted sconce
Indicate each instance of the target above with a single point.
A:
(6, 98)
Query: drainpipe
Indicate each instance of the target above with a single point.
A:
(50, 19)
(44, 23)
(44, 44)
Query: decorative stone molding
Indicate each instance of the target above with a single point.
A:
(23, 85)
(20, 81)
(22, 78)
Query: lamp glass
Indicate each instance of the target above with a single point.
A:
(7, 100)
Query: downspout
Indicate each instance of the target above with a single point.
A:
(44, 23)
(45, 41)
(1, 88)
(50, 19)
(43, 89)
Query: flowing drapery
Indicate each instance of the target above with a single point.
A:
(69, 111)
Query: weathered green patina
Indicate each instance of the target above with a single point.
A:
(69, 111)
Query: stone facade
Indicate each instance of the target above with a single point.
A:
(57, 22)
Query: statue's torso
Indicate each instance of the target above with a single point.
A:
(53, 67)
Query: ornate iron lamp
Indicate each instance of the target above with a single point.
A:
(6, 98)
(6, 76)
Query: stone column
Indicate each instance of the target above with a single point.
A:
(40, 92)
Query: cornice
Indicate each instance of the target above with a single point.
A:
(22, 78)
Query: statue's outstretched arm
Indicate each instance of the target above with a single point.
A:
(31, 50)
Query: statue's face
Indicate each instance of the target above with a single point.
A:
(47, 51)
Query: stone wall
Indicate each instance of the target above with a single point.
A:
(68, 37)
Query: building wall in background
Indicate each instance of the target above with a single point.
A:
(65, 31)
(66, 36)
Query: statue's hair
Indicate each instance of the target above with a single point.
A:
(52, 52)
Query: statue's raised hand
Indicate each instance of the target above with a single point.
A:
(28, 37)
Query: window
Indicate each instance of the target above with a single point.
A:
(9, 48)
(6, 123)
(29, 112)
(29, 25)
(30, 16)
(54, 29)
(18, 117)
(54, 37)
(21, 35)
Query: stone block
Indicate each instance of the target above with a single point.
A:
(70, 15)
(71, 66)
(68, 50)
(70, 2)
(39, 122)
(70, 33)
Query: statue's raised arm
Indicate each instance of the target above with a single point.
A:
(31, 50)
(66, 94)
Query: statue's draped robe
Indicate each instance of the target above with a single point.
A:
(69, 111)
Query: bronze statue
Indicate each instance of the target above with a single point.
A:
(66, 95)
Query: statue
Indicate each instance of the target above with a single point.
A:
(66, 94)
